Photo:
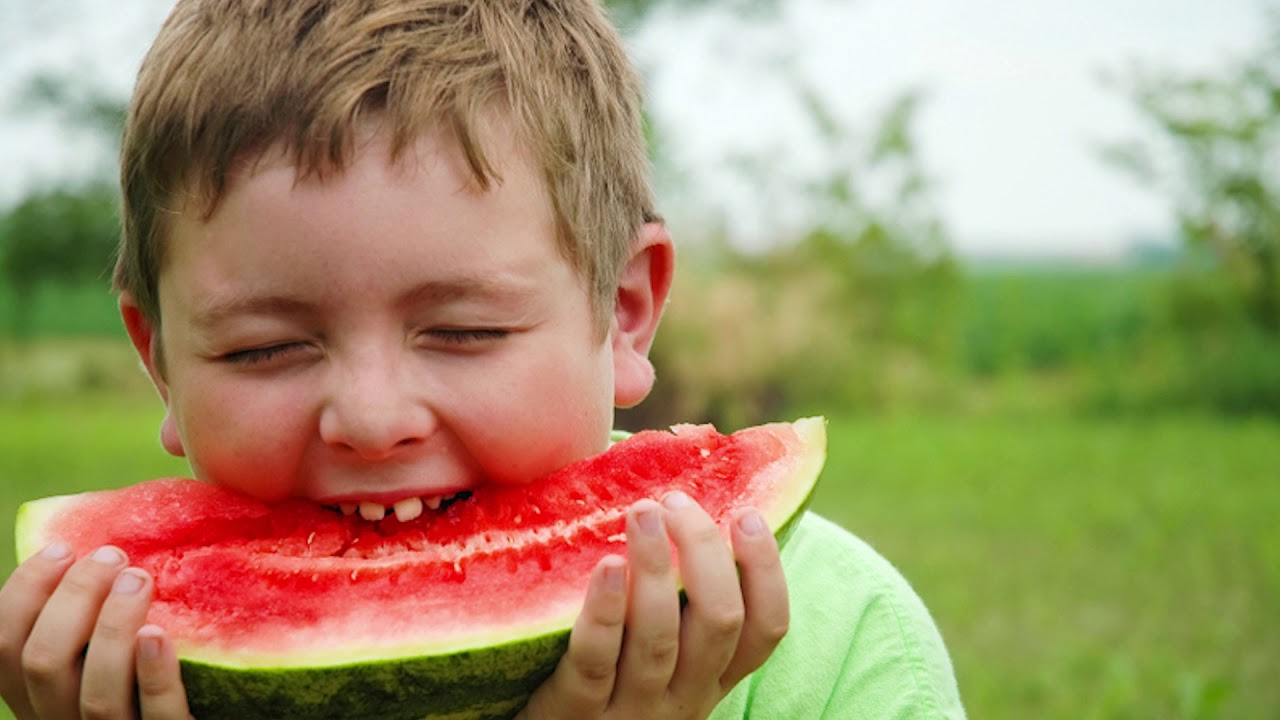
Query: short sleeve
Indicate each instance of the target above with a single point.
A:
(861, 642)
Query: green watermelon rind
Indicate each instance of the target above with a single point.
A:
(491, 682)
(787, 510)
(470, 684)
(28, 540)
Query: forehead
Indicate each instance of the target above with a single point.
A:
(378, 211)
(510, 171)
(492, 158)
(479, 152)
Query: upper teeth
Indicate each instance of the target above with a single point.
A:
(405, 510)
(408, 509)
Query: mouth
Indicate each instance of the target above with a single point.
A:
(404, 510)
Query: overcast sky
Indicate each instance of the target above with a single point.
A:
(1013, 108)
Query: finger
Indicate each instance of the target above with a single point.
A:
(161, 695)
(652, 640)
(51, 660)
(713, 618)
(107, 681)
(21, 599)
(764, 594)
(583, 681)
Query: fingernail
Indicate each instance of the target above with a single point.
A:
(56, 551)
(149, 646)
(649, 521)
(615, 577)
(752, 524)
(676, 500)
(128, 583)
(108, 555)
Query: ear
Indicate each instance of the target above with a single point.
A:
(146, 341)
(642, 294)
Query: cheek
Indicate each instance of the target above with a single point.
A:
(552, 414)
(242, 440)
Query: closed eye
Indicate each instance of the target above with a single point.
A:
(260, 355)
(465, 336)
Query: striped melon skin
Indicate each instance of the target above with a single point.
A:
(492, 682)
(282, 670)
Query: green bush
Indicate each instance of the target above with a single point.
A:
(62, 237)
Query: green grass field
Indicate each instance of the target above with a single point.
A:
(1082, 569)
(1078, 569)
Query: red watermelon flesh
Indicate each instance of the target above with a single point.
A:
(244, 584)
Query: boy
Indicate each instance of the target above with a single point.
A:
(361, 239)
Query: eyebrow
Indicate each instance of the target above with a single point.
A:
(214, 312)
(465, 288)
(435, 292)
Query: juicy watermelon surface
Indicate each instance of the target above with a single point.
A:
(240, 584)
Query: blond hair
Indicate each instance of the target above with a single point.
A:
(227, 79)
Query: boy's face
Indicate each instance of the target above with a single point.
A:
(386, 333)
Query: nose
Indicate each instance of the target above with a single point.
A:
(372, 409)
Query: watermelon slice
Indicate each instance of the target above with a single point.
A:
(298, 611)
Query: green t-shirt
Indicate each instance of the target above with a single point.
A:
(860, 645)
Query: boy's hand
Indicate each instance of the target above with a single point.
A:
(73, 643)
(670, 663)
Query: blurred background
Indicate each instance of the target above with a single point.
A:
(1025, 257)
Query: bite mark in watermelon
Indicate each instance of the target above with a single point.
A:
(295, 610)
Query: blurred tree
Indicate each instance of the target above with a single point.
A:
(80, 110)
(857, 310)
(74, 103)
(1216, 157)
(61, 236)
